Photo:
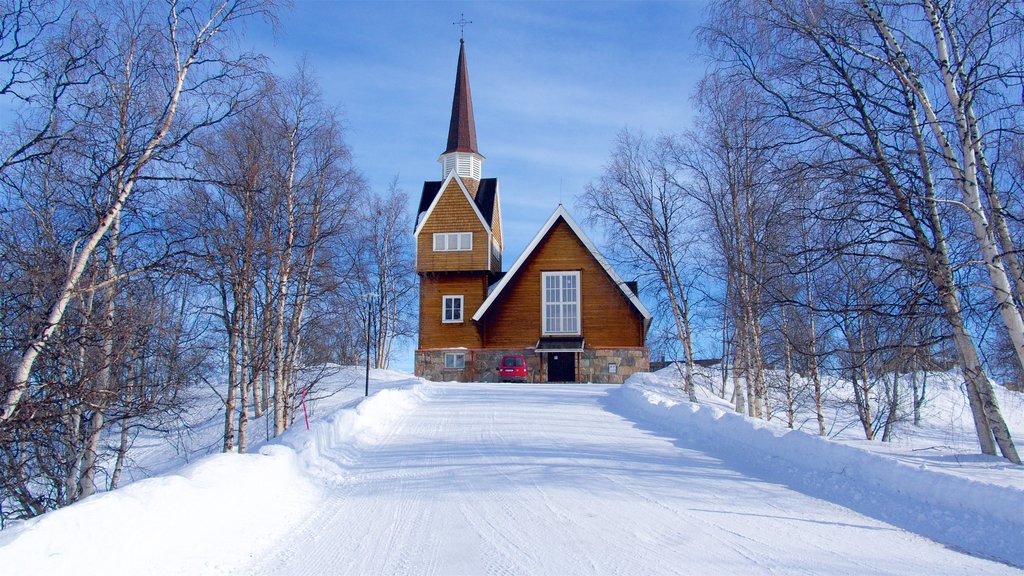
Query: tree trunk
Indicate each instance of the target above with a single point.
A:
(813, 356)
(919, 395)
(788, 350)
(230, 325)
(122, 451)
(892, 397)
(244, 372)
(256, 364)
(865, 377)
(101, 391)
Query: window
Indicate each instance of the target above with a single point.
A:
(560, 305)
(454, 360)
(453, 241)
(452, 309)
(495, 255)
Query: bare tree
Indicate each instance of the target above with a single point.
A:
(865, 120)
(149, 66)
(388, 264)
(964, 44)
(732, 172)
(639, 202)
(95, 322)
(277, 191)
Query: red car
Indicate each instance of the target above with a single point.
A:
(512, 369)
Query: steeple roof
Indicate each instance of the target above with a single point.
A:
(462, 130)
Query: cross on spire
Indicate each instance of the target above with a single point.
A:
(461, 23)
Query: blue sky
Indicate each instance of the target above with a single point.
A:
(552, 83)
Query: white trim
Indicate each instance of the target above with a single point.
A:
(561, 212)
(444, 308)
(578, 302)
(437, 197)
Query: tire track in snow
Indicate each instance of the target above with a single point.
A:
(488, 479)
(313, 554)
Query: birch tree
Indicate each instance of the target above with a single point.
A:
(151, 64)
(389, 271)
(270, 212)
(639, 203)
(731, 172)
(817, 71)
(964, 42)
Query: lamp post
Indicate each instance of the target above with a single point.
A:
(369, 312)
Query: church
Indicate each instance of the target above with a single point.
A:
(560, 305)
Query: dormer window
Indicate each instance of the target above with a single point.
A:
(453, 241)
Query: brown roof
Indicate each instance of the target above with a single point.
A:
(462, 130)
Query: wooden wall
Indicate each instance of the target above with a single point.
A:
(496, 227)
(433, 332)
(453, 213)
(608, 319)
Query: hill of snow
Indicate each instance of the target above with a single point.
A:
(217, 513)
(924, 482)
(944, 440)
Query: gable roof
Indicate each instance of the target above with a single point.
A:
(485, 201)
(563, 214)
(438, 191)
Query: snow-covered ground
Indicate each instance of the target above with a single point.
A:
(944, 440)
(201, 430)
(545, 479)
(929, 480)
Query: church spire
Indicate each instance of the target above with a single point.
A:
(462, 154)
(462, 130)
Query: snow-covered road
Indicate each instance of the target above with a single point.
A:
(555, 479)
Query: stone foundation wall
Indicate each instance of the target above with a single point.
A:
(430, 365)
(486, 363)
(592, 365)
(596, 365)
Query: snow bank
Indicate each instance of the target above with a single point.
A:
(334, 441)
(211, 516)
(982, 518)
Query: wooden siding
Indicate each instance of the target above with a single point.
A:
(433, 287)
(608, 319)
(496, 232)
(496, 227)
(453, 213)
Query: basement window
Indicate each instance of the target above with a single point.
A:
(455, 360)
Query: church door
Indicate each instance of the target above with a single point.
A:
(562, 367)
